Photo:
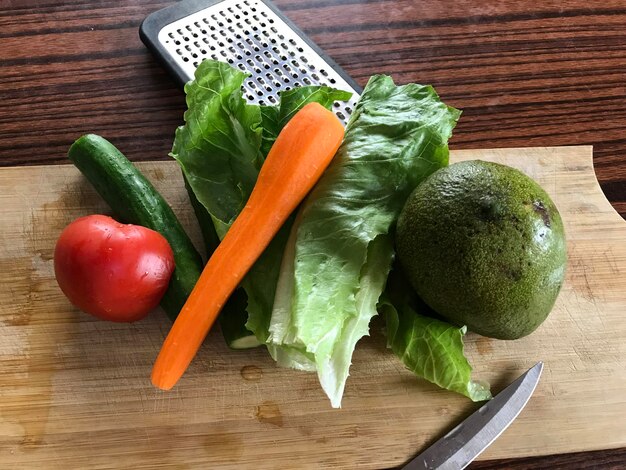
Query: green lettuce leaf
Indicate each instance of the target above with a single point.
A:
(335, 266)
(429, 347)
(260, 283)
(291, 101)
(218, 147)
(221, 149)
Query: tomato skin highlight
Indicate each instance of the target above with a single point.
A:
(117, 272)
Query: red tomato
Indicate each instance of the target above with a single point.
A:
(114, 271)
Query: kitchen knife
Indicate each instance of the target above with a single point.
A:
(465, 442)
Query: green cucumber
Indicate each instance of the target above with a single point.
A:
(134, 200)
(233, 316)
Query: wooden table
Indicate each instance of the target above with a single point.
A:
(524, 73)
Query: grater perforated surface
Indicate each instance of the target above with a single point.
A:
(249, 35)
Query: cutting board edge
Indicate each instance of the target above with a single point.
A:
(452, 151)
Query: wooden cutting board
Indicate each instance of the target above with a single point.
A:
(75, 391)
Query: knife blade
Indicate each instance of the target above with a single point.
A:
(466, 441)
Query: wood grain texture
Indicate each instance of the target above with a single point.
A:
(75, 391)
(524, 72)
(612, 459)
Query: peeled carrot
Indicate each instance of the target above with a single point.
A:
(299, 156)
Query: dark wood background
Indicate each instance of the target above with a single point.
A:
(525, 73)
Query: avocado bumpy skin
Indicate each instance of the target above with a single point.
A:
(484, 246)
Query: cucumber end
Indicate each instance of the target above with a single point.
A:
(245, 342)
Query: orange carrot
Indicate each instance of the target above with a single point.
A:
(299, 156)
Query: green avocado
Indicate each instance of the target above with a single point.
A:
(484, 246)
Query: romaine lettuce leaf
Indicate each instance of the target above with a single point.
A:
(337, 260)
(429, 347)
(260, 283)
(221, 149)
(335, 267)
(291, 101)
(218, 147)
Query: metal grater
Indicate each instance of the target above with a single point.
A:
(250, 34)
